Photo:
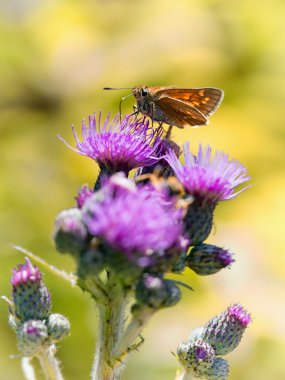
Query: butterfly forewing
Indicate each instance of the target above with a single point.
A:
(206, 100)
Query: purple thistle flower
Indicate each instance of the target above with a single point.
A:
(238, 313)
(83, 194)
(140, 223)
(24, 273)
(163, 167)
(224, 332)
(31, 297)
(120, 145)
(208, 178)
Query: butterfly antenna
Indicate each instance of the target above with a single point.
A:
(117, 88)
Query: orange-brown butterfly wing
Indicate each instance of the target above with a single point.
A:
(206, 100)
(180, 113)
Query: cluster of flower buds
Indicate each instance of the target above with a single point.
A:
(30, 312)
(200, 356)
(142, 228)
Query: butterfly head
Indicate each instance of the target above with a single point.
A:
(141, 93)
(144, 99)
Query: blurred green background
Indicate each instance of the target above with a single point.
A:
(55, 58)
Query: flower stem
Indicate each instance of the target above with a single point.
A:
(133, 331)
(28, 369)
(111, 322)
(183, 375)
(49, 363)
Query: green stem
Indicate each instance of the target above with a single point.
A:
(133, 331)
(111, 322)
(184, 375)
(28, 369)
(49, 363)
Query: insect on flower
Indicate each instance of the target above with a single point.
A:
(174, 106)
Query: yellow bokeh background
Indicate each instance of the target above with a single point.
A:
(55, 58)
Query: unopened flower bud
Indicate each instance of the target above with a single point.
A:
(207, 259)
(154, 291)
(90, 262)
(58, 327)
(196, 334)
(196, 357)
(31, 297)
(219, 370)
(199, 221)
(31, 336)
(224, 332)
(70, 233)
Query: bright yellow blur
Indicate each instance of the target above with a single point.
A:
(55, 58)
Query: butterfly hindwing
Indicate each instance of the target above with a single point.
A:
(206, 100)
(180, 113)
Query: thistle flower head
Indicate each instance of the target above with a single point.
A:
(140, 222)
(206, 177)
(119, 145)
(165, 170)
(31, 297)
(224, 332)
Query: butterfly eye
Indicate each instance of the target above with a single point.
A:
(144, 92)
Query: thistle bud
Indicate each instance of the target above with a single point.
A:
(219, 370)
(207, 259)
(154, 291)
(90, 262)
(196, 357)
(224, 332)
(31, 336)
(31, 297)
(58, 327)
(70, 233)
(199, 221)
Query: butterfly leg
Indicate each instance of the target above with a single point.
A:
(136, 111)
(152, 113)
(168, 133)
